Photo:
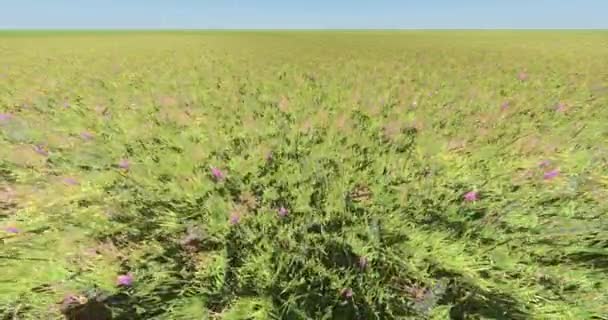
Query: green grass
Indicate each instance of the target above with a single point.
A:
(369, 139)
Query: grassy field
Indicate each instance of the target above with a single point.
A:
(304, 175)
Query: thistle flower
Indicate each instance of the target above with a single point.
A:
(11, 230)
(283, 212)
(218, 175)
(125, 280)
(544, 163)
(85, 135)
(71, 181)
(551, 174)
(505, 105)
(5, 117)
(235, 218)
(41, 151)
(522, 76)
(347, 293)
(124, 164)
(471, 196)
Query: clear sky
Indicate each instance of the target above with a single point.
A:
(302, 14)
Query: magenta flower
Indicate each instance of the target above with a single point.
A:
(41, 151)
(505, 105)
(86, 135)
(125, 280)
(347, 293)
(523, 76)
(71, 181)
(11, 230)
(551, 174)
(544, 163)
(124, 164)
(235, 218)
(217, 174)
(5, 117)
(283, 212)
(471, 196)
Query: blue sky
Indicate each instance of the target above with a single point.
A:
(310, 14)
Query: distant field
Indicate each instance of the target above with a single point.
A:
(304, 175)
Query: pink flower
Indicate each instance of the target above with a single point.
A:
(86, 135)
(283, 212)
(347, 293)
(505, 105)
(5, 117)
(471, 196)
(11, 230)
(71, 181)
(217, 174)
(551, 174)
(124, 164)
(523, 76)
(41, 151)
(560, 107)
(235, 218)
(544, 163)
(125, 280)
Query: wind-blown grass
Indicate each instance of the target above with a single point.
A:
(304, 175)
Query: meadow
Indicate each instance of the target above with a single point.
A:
(304, 175)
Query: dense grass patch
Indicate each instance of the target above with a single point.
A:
(277, 175)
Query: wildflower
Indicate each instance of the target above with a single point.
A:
(505, 105)
(347, 293)
(551, 174)
(124, 164)
(71, 181)
(5, 117)
(283, 212)
(235, 218)
(471, 196)
(41, 151)
(523, 76)
(217, 174)
(125, 280)
(363, 263)
(560, 107)
(544, 163)
(86, 135)
(11, 230)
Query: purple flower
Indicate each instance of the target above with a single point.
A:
(560, 107)
(551, 174)
(5, 117)
(125, 280)
(217, 174)
(124, 164)
(71, 181)
(283, 212)
(11, 230)
(471, 196)
(523, 76)
(86, 135)
(505, 105)
(41, 151)
(235, 218)
(363, 263)
(544, 163)
(347, 293)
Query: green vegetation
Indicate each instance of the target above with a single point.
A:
(304, 175)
